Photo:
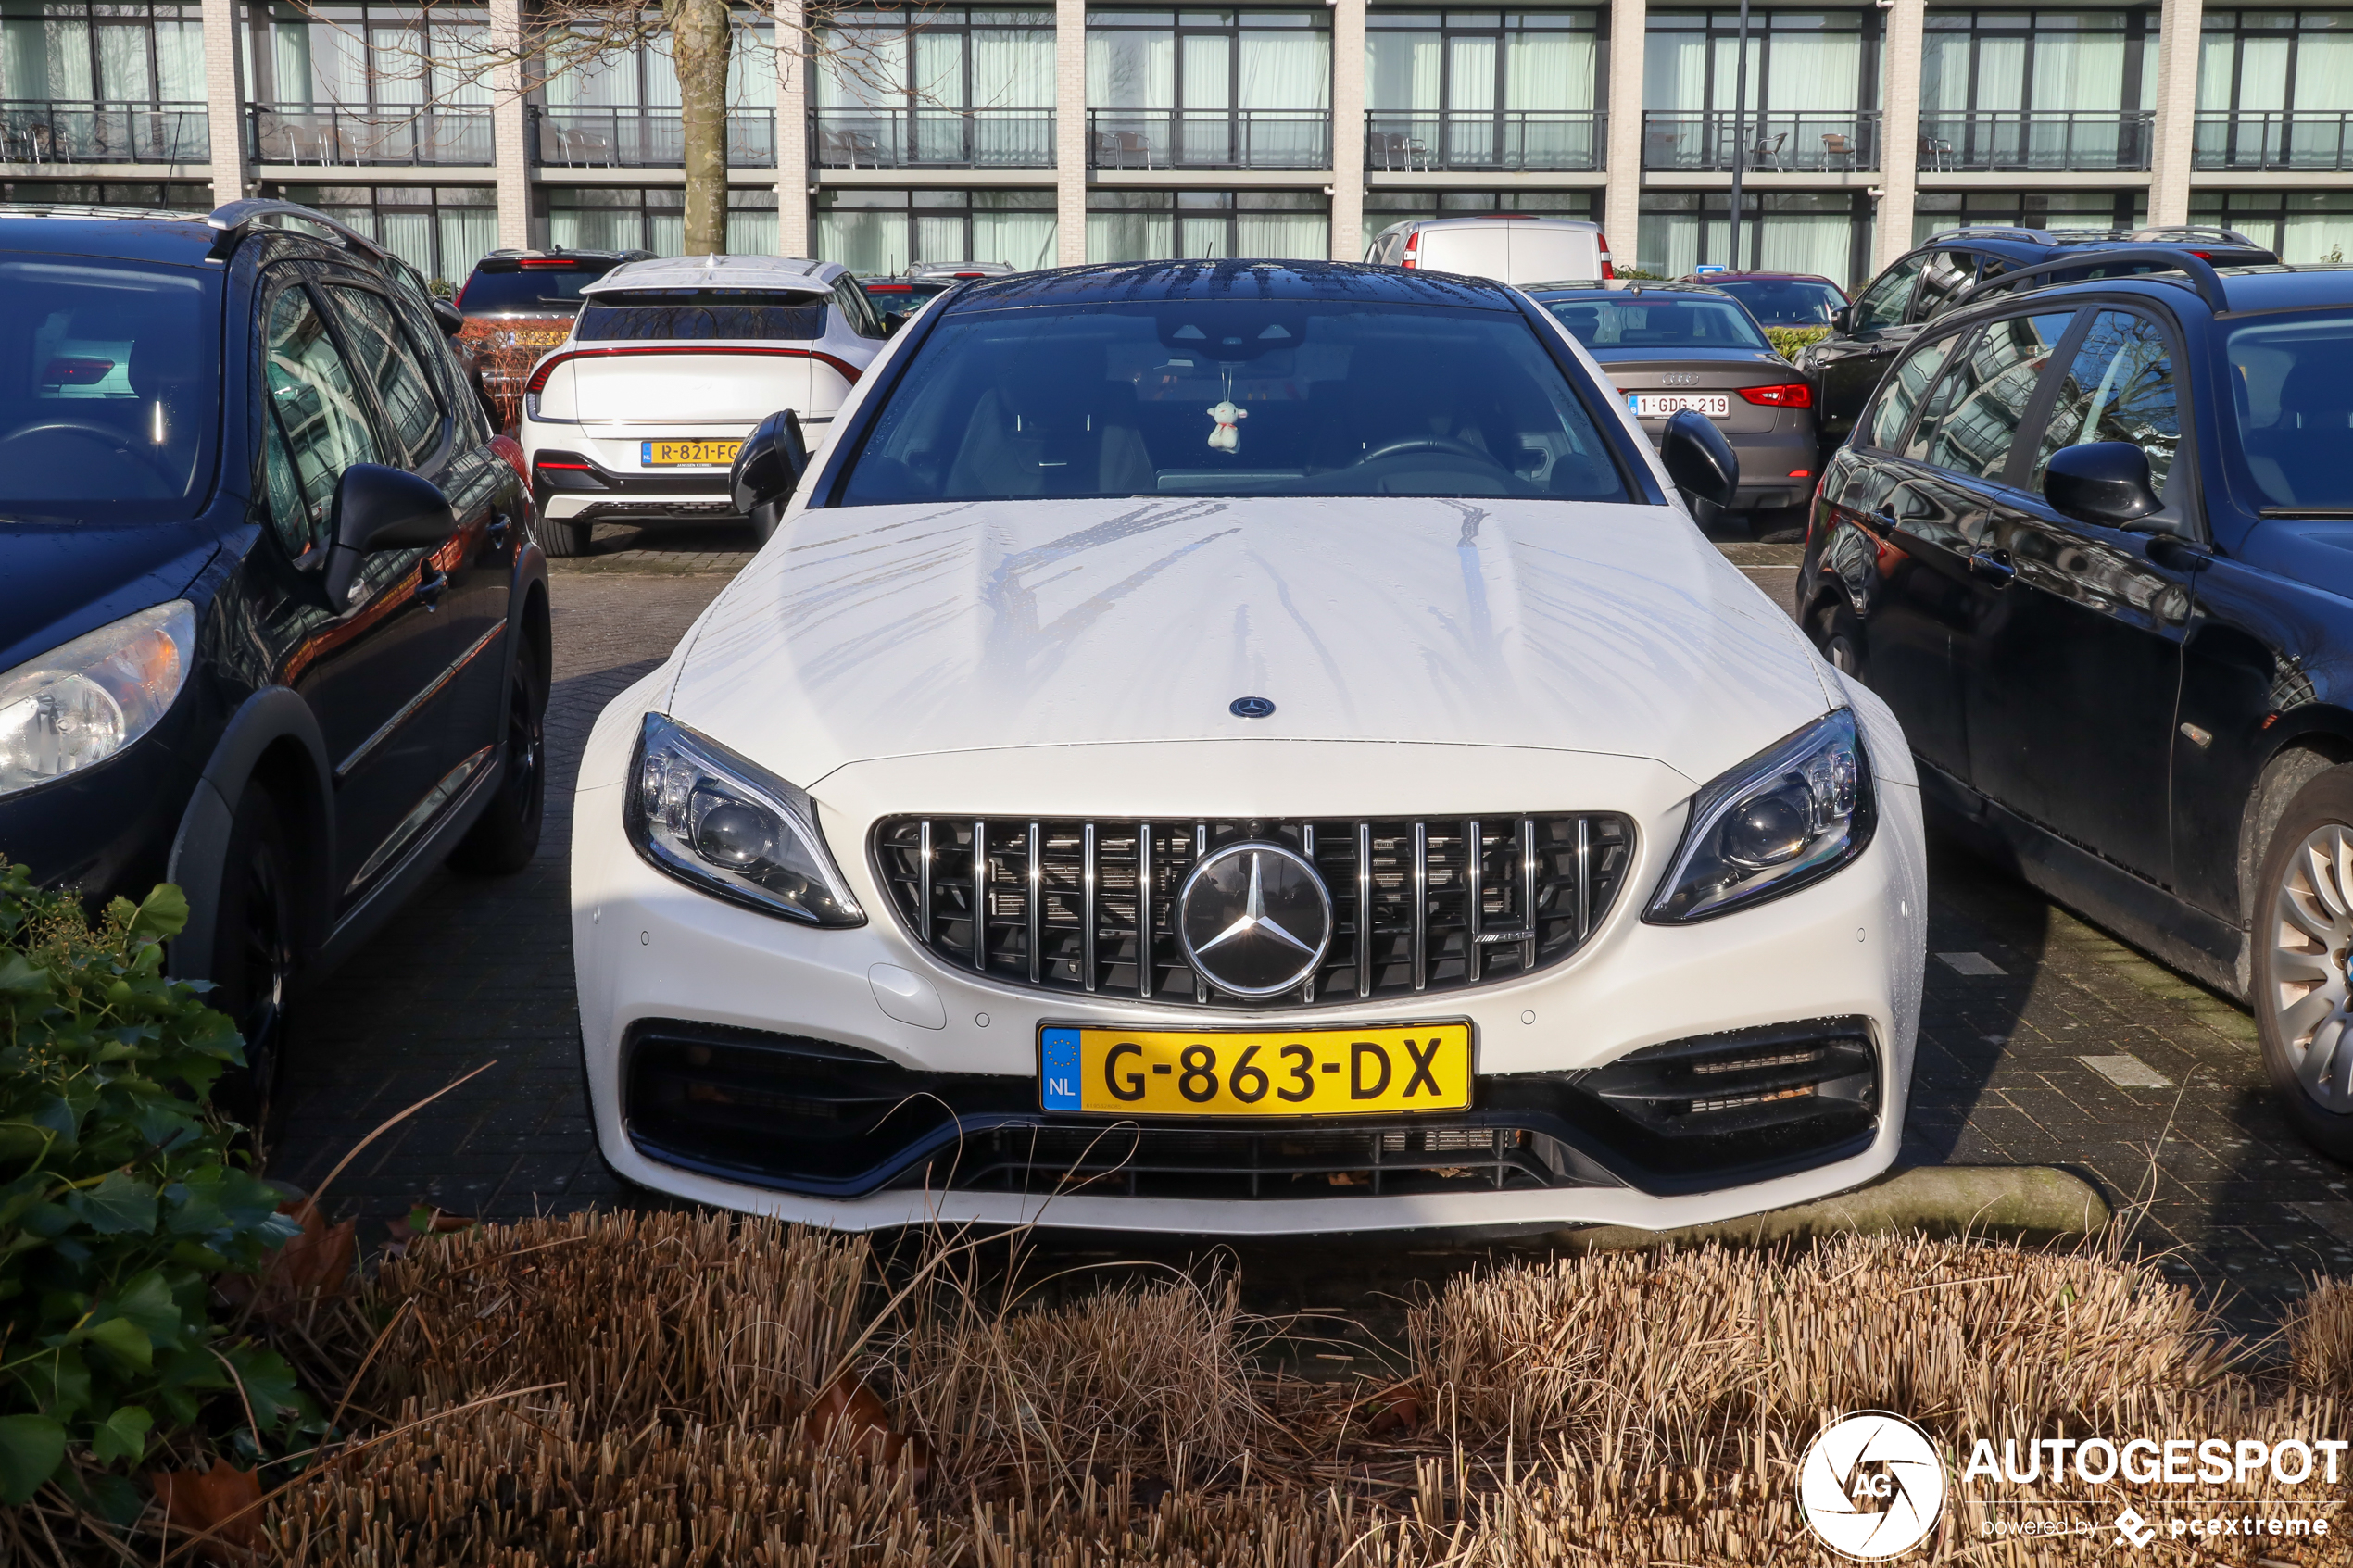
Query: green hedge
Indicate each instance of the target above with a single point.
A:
(1789, 339)
(120, 1201)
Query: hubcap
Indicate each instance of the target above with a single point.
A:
(2312, 940)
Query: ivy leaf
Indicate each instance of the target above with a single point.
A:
(119, 1205)
(31, 1446)
(122, 1435)
(126, 1340)
(269, 1383)
(162, 913)
(147, 1301)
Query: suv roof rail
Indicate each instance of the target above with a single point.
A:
(2188, 231)
(236, 216)
(1991, 231)
(2200, 272)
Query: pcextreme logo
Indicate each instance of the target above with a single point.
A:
(1872, 1486)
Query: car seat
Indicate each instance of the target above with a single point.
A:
(1041, 431)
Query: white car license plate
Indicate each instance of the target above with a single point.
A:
(1659, 404)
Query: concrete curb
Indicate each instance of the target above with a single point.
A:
(2030, 1202)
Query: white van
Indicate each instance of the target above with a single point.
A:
(1509, 247)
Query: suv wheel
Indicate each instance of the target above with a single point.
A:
(1840, 639)
(2303, 941)
(557, 537)
(257, 937)
(506, 835)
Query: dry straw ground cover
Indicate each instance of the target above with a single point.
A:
(666, 1389)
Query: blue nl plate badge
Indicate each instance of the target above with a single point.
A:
(1058, 1069)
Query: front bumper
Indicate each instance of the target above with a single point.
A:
(685, 1001)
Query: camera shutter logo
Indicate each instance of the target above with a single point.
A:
(1872, 1486)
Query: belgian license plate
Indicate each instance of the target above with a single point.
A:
(689, 454)
(1255, 1072)
(1659, 404)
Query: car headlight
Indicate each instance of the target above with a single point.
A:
(709, 817)
(1789, 816)
(82, 701)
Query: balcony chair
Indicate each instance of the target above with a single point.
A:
(1837, 150)
(1936, 153)
(1769, 152)
(842, 149)
(1114, 147)
(583, 149)
(1666, 149)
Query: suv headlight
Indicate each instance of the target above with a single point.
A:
(81, 702)
(1789, 816)
(709, 817)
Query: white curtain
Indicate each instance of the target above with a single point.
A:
(939, 70)
(398, 58)
(24, 42)
(467, 235)
(122, 64)
(752, 69)
(338, 64)
(666, 232)
(1012, 68)
(597, 227)
(1814, 72)
(939, 239)
(1944, 73)
(2217, 53)
(2325, 71)
(1727, 53)
(2081, 71)
(1130, 70)
(587, 81)
(180, 60)
(1400, 72)
(1549, 70)
(1128, 236)
(2263, 75)
(1291, 235)
(1022, 240)
(1470, 79)
(292, 59)
(1282, 70)
(860, 67)
(864, 242)
(1674, 72)
(661, 75)
(1668, 243)
(2001, 75)
(1803, 242)
(1203, 239)
(751, 232)
(408, 235)
(460, 74)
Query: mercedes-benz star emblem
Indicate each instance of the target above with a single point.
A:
(1254, 918)
(1249, 707)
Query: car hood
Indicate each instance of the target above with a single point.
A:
(873, 632)
(59, 580)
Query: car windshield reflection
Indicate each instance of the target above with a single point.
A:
(2295, 405)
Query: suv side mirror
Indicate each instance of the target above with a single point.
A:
(379, 509)
(894, 320)
(1842, 319)
(446, 316)
(1699, 459)
(2105, 482)
(768, 468)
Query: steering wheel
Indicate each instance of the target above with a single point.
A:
(1431, 443)
(121, 442)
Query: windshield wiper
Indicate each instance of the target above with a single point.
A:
(2306, 511)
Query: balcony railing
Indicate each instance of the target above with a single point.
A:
(2036, 140)
(2292, 139)
(1777, 144)
(643, 138)
(377, 137)
(1209, 139)
(928, 138)
(56, 133)
(1475, 139)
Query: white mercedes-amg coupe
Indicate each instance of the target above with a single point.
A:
(1243, 746)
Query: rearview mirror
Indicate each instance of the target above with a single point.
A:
(768, 468)
(2105, 482)
(1699, 459)
(379, 509)
(451, 320)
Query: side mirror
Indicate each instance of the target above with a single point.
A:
(1842, 319)
(768, 468)
(2105, 482)
(1699, 459)
(379, 509)
(451, 320)
(894, 320)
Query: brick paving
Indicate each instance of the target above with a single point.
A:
(473, 971)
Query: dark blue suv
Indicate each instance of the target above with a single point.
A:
(2095, 545)
(271, 624)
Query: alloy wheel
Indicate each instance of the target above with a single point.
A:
(2311, 941)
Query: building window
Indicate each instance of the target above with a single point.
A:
(1824, 233)
(961, 89)
(2275, 90)
(1481, 89)
(1810, 100)
(619, 107)
(2036, 89)
(2107, 211)
(440, 231)
(1210, 89)
(2299, 226)
(1192, 225)
(879, 233)
(369, 84)
(180, 196)
(654, 219)
(105, 83)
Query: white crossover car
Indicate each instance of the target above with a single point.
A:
(1245, 747)
(667, 368)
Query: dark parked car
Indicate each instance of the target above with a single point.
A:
(272, 624)
(1673, 347)
(1780, 299)
(2094, 545)
(518, 305)
(1922, 286)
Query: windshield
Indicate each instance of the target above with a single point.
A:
(109, 388)
(1233, 398)
(687, 313)
(1784, 302)
(2295, 403)
(546, 291)
(1657, 320)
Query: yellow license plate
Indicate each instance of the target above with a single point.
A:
(690, 454)
(1255, 1072)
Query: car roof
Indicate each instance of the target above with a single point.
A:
(135, 233)
(1488, 220)
(1746, 277)
(952, 268)
(1618, 288)
(1153, 281)
(796, 274)
(2283, 286)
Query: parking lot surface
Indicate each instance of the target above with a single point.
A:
(2042, 1041)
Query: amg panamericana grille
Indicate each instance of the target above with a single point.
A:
(1080, 906)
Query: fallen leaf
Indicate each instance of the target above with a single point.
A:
(857, 1413)
(224, 1496)
(1401, 1415)
(315, 1264)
